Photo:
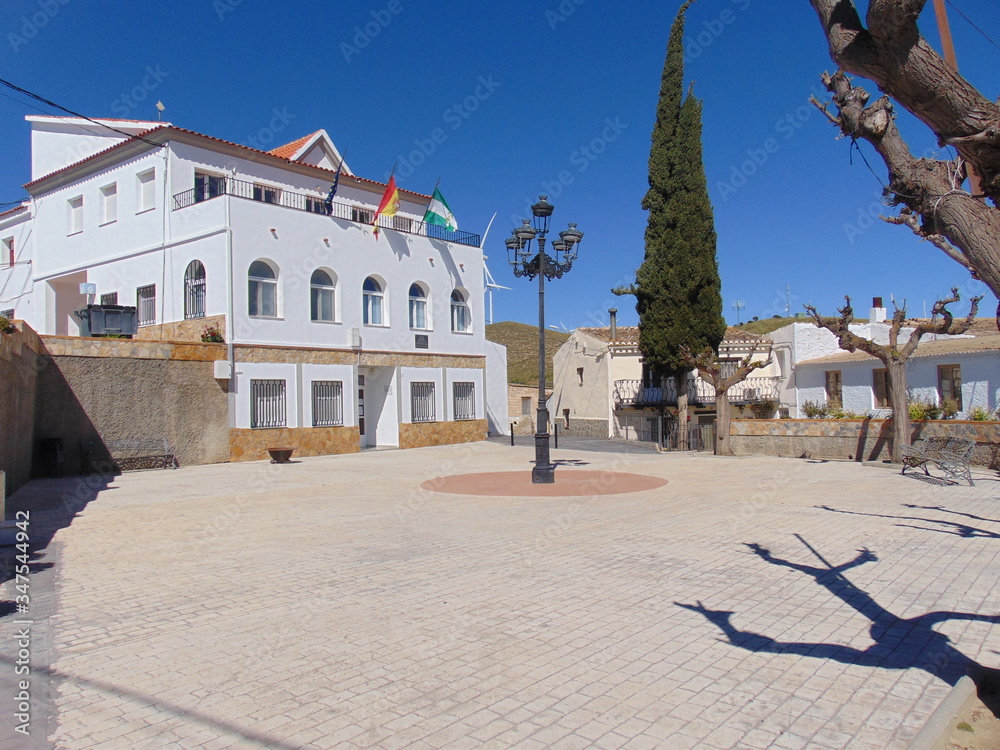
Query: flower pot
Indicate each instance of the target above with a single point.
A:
(280, 455)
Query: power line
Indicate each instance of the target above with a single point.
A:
(43, 100)
(969, 21)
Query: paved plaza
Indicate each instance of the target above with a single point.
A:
(334, 603)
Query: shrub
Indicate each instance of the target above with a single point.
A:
(6, 325)
(949, 408)
(920, 410)
(814, 410)
(212, 335)
(981, 414)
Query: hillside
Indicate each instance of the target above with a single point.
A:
(521, 341)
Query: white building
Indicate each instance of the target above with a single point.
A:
(326, 325)
(602, 387)
(814, 369)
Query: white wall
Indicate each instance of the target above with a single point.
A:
(497, 417)
(980, 380)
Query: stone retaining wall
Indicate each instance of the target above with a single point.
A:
(252, 445)
(589, 428)
(22, 357)
(854, 439)
(182, 330)
(421, 434)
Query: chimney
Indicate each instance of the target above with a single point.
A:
(878, 311)
(613, 312)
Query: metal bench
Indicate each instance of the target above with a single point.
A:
(141, 454)
(952, 455)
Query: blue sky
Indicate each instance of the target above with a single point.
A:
(553, 97)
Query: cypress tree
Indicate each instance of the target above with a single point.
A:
(678, 291)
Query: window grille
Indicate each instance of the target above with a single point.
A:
(145, 303)
(109, 299)
(422, 402)
(465, 400)
(267, 403)
(328, 403)
(194, 290)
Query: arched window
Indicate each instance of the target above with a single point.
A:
(373, 297)
(194, 290)
(418, 307)
(263, 291)
(321, 291)
(459, 312)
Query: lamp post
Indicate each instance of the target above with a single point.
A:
(544, 266)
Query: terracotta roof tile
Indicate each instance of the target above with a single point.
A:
(288, 150)
(14, 210)
(926, 348)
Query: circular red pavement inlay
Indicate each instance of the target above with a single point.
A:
(569, 483)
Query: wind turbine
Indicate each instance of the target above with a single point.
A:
(490, 282)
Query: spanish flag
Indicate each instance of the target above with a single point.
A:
(390, 203)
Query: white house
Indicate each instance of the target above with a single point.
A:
(326, 324)
(814, 369)
(602, 387)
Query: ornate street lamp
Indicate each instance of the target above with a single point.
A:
(544, 266)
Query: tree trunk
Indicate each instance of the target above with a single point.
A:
(723, 445)
(681, 381)
(900, 408)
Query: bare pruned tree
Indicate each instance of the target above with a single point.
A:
(888, 49)
(893, 356)
(712, 370)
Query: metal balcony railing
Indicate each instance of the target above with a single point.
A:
(315, 204)
(637, 393)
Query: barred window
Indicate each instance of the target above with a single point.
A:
(194, 290)
(422, 402)
(145, 303)
(464, 395)
(111, 298)
(267, 403)
(328, 403)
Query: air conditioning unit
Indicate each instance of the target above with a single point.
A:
(109, 320)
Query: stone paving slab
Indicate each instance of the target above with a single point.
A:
(333, 603)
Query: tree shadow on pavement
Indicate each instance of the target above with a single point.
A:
(900, 643)
(946, 527)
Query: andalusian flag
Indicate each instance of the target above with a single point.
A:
(439, 214)
(390, 203)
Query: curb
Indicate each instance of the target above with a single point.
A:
(936, 730)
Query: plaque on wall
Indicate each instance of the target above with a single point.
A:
(420, 340)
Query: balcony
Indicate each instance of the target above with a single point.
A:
(636, 393)
(314, 204)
